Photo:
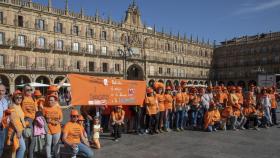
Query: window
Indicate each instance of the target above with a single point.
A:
(104, 35)
(58, 27)
(59, 45)
(103, 50)
(90, 48)
(76, 30)
(20, 21)
(104, 67)
(116, 36)
(60, 63)
(2, 60)
(2, 39)
(22, 61)
(91, 66)
(40, 24)
(76, 47)
(152, 71)
(21, 40)
(78, 65)
(41, 42)
(1, 17)
(160, 70)
(168, 70)
(41, 62)
(117, 67)
(90, 33)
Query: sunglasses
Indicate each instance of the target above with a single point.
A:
(28, 90)
(18, 97)
(75, 116)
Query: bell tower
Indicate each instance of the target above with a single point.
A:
(133, 16)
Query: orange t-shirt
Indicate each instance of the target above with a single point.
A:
(117, 115)
(227, 112)
(273, 101)
(168, 101)
(29, 107)
(240, 97)
(151, 105)
(179, 98)
(160, 99)
(40, 102)
(74, 132)
(247, 111)
(186, 97)
(195, 100)
(51, 114)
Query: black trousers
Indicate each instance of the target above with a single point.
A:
(161, 118)
(274, 116)
(251, 118)
(117, 131)
(153, 122)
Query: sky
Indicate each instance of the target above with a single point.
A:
(217, 20)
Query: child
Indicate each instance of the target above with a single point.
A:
(40, 127)
(96, 131)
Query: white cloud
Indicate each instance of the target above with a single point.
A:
(252, 8)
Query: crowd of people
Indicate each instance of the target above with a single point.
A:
(31, 124)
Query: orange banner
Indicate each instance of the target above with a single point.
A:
(90, 90)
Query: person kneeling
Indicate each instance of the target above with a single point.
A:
(73, 135)
(212, 118)
(250, 113)
(117, 117)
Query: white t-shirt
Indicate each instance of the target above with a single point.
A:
(96, 134)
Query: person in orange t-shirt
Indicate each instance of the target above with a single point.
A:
(16, 126)
(117, 116)
(152, 111)
(160, 100)
(250, 113)
(53, 115)
(168, 103)
(74, 139)
(195, 100)
(179, 105)
(29, 108)
(239, 94)
(212, 118)
(273, 97)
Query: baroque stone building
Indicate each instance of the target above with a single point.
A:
(240, 60)
(42, 44)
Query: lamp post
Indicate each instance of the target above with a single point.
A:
(124, 53)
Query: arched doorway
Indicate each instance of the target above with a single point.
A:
(135, 72)
(230, 83)
(22, 79)
(43, 80)
(168, 83)
(63, 92)
(161, 81)
(221, 83)
(252, 82)
(195, 83)
(206, 83)
(5, 81)
(189, 82)
(151, 83)
(201, 82)
(241, 84)
(176, 83)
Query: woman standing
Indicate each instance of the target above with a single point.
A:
(168, 103)
(16, 126)
(160, 99)
(53, 115)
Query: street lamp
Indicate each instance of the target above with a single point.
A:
(124, 53)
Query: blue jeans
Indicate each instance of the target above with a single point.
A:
(88, 124)
(194, 117)
(21, 149)
(168, 119)
(52, 144)
(82, 150)
(267, 115)
(3, 135)
(179, 119)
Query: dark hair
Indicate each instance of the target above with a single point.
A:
(38, 114)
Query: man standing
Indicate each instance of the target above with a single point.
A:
(3, 107)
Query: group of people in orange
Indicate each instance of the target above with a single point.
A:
(210, 108)
(33, 123)
(32, 126)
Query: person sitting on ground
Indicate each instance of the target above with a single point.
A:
(117, 117)
(96, 132)
(74, 139)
